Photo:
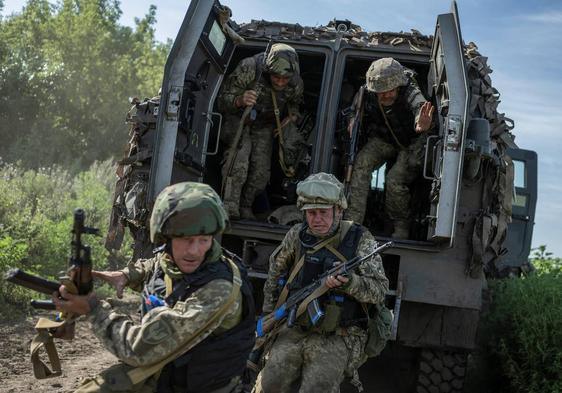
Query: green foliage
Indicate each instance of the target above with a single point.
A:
(524, 329)
(36, 213)
(66, 73)
(544, 262)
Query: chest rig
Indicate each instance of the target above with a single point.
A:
(217, 359)
(341, 310)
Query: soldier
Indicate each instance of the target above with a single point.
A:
(320, 356)
(198, 324)
(274, 89)
(397, 116)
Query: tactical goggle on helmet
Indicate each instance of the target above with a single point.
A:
(384, 75)
(282, 60)
(320, 191)
(187, 209)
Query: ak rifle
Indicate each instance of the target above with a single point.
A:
(355, 126)
(298, 302)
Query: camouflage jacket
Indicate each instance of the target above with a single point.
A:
(162, 330)
(368, 283)
(402, 115)
(242, 79)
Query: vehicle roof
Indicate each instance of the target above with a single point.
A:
(351, 34)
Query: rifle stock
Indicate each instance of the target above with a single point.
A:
(266, 323)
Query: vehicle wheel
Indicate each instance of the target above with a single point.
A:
(441, 371)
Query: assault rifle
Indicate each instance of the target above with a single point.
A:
(354, 136)
(78, 277)
(232, 151)
(304, 298)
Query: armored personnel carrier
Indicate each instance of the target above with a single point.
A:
(474, 204)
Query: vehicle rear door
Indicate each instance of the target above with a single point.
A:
(448, 87)
(194, 70)
(520, 230)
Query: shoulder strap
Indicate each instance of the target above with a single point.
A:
(389, 127)
(139, 374)
(288, 171)
(346, 226)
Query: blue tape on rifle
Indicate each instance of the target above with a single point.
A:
(280, 312)
(259, 327)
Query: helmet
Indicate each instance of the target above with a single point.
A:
(187, 209)
(385, 74)
(282, 60)
(320, 190)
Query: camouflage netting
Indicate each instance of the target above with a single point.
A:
(490, 227)
(485, 98)
(350, 33)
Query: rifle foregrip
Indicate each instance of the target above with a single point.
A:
(38, 284)
(43, 304)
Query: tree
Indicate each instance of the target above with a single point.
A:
(66, 72)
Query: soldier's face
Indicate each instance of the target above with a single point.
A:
(189, 252)
(320, 220)
(387, 98)
(279, 82)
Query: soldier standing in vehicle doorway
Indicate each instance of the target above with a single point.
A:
(271, 85)
(319, 356)
(397, 117)
(197, 328)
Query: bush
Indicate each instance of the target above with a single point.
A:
(523, 330)
(36, 213)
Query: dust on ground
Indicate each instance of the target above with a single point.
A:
(82, 357)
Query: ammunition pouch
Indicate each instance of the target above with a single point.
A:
(379, 331)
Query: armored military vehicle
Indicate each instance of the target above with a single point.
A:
(474, 203)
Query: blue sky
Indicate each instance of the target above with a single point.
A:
(521, 40)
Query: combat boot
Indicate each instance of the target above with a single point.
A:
(246, 213)
(401, 230)
(232, 210)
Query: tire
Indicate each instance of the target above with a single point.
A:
(441, 371)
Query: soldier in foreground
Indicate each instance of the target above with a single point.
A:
(198, 324)
(320, 356)
(270, 84)
(396, 116)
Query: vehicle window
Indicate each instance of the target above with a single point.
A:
(217, 37)
(520, 174)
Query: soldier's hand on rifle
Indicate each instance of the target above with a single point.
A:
(424, 121)
(118, 280)
(336, 281)
(249, 98)
(75, 304)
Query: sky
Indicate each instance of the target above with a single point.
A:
(520, 39)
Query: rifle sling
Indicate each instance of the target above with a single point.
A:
(389, 127)
(289, 172)
(346, 226)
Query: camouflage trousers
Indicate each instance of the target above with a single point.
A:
(315, 362)
(408, 166)
(252, 167)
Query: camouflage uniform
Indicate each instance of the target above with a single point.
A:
(401, 144)
(165, 329)
(251, 171)
(320, 360)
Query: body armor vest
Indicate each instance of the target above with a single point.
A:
(316, 263)
(217, 359)
(399, 116)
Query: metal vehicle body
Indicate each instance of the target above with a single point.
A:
(435, 293)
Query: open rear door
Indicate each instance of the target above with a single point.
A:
(448, 87)
(192, 77)
(520, 230)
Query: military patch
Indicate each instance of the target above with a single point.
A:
(157, 331)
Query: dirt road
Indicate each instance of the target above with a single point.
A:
(82, 357)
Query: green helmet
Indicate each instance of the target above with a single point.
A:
(385, 74)
(186, 209)
(282, 60)
(319, 191)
